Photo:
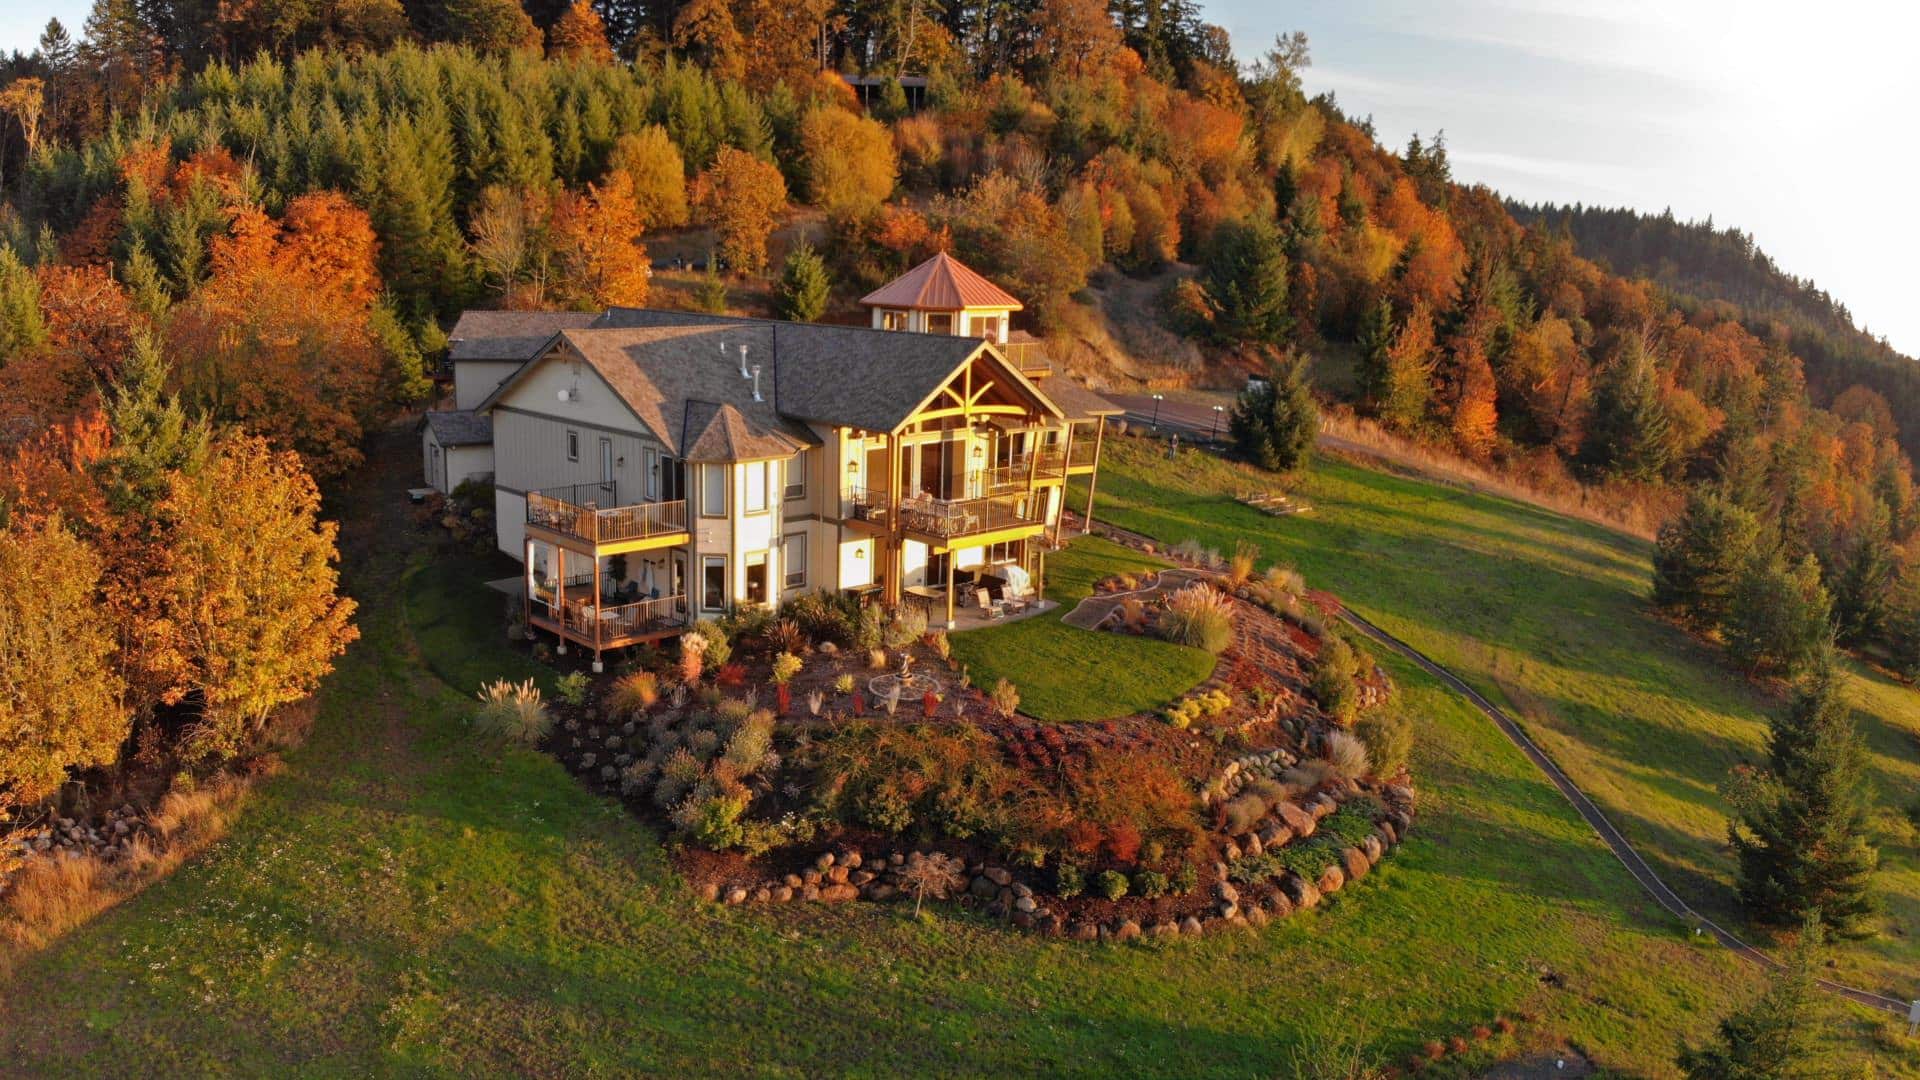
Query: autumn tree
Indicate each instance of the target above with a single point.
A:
(658, 173)
(705, 31)
(1275, 421)
(25, 100)
(1406, 383)
(1472, 408)
(596, 238)
(1077, 38)
(1700, 556)
(742, 197)
(23, 327)
(804, 285)
(510, 245)
(579, 35)
(1802, 831)
(60, 699)
(253, 587)
(482, 25)
(849, 160)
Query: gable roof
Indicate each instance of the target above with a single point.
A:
(509, 335)
(942, 283)
(460, 428)
(1078, 402)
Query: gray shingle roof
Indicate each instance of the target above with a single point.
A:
(461, 428)
(510, 335)
(1078, 402)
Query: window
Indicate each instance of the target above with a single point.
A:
(796, 472)
(573, 446)
(713, 491)
(986, 326)
(434, 476)
(713, 583)
(606, 461)
(756, 577)
(939, 324)
(793, 560)
(893, 320)
(754, 475)
(650, 467)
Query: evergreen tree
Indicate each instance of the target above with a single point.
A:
(1700, 555)
(153, 438)
(1375, 340)
(1274, 422)
(1245, 278)
(1780, 614)
(1863, 586)
(1801, 831)
(804, 285)
(23, 327)
(1628, 435)
(1770, 1039)
(711, 294)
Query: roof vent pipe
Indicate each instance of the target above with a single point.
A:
(756, 383)
(743, 362)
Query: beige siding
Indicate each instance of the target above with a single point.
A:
(473, 380)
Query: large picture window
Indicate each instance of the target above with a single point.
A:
(793, 560)
(756, 577)
(754, 475)
(713, 491)
(713, 583)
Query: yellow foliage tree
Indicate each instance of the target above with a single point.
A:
(851, 168)
(60, 700)
(253, 588)
(580, 35)
(658, 173)
(742, 197)
(596, 239)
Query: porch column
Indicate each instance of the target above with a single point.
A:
(598, 622)
(560, 593)
(893, 543)
(1066, 470)
(949, 590)
(526, 573)
(1086, 523)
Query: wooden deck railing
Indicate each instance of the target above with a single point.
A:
(948, 518)
(576, 511)
(605, 625)
(1028, 356)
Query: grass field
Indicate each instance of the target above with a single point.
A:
(1065, 673)
(403, 900)
(1548, 617)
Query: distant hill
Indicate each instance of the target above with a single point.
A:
(1697, 261)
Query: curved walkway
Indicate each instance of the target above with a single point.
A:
(1609, 835)
(1582, 805)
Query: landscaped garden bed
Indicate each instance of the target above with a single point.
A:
(837, 753)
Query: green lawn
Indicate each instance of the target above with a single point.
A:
(1548, 616)
(1065, 673)
(404, 901)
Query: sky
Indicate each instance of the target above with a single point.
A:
(1793, 122)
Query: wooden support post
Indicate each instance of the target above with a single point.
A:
(894, 542)
(598, 622)
(560, 594)
(526, 569)
(1093, 478)
(950, 562)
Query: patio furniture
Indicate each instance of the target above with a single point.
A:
(988, 604)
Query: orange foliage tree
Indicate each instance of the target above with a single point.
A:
(579, 35)
(658, 173)
(596, 239)
(742, 197)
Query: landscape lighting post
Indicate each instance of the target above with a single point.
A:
(1157, 399)
(1218, 410)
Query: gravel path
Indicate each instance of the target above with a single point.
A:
(1585, 807)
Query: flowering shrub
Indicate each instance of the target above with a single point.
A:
(1200, 616)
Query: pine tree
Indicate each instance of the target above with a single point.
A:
(1770, 1039)
(1629, 433)
(1274, 422)
(1801, 834)
(1408, 386)
(711, 294)
(1375, 339)
(1862, 589)
(1779, 616)
(23, 327)
(153, 437)
(804, 285)
(1245, 278)
(1700, 555)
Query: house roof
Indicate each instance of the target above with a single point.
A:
(461, 428)
(679, 373)
(510, 335)
(1078, 402)
(942, 283)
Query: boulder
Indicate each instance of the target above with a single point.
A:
(783, 894)
(1387, 833)
(1256, 915)
(1023, 919)
(998, 875)
(792, 881)
(859, 877)
(810, 891)
(1299, 821)
(709, 892)
(736, 895)
(837, 875)
(1301, 891)
(1275, 835)
(1227, 909)
(1354, 862)
(1025, 904)
(1226, 893)
(1332, 879)
(1231, 852)
(1084, 931)
(896, 859)
(1191, 927)
(1279, 905)
(1126, 930)
(834, 894)
(811, 877)
(1321, 806)
(850, 860)
(762, 895)
(823, 862)
(1372, 848)
(1021, 888)
(1254, 846)
(984, 888)
(1164, 930)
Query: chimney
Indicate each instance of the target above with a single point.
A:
(756, 383)
(743, 362)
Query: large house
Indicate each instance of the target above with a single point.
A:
(655, 467)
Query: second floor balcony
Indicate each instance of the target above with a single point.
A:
(943, 520)
(593, 514)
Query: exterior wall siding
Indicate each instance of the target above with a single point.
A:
(473, 380)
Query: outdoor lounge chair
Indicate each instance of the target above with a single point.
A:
(988, 604)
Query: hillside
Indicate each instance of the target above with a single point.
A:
(1699, 262)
